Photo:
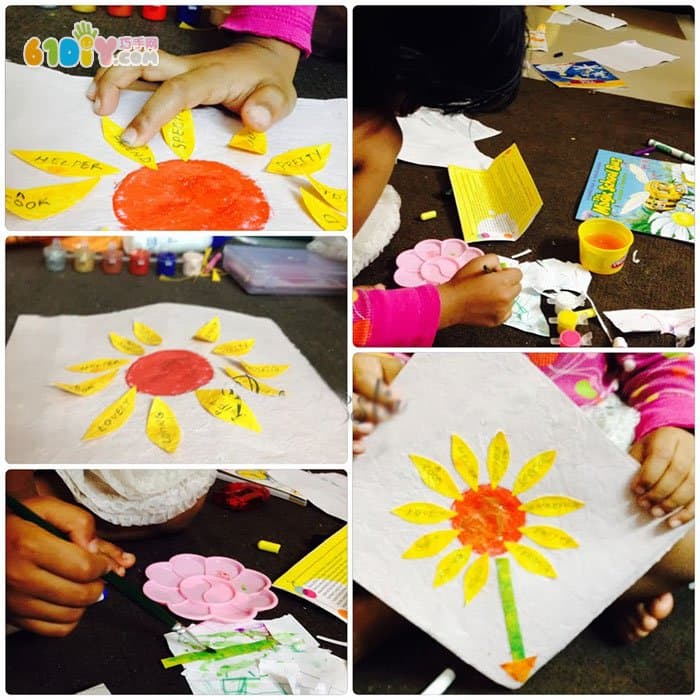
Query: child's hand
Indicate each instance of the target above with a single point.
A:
(50, 581)
(252, 78)
(478, 298)
(666, 479)
(373, 400)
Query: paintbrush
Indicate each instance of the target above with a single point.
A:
(124, 587)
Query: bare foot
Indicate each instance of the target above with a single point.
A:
(637, 620)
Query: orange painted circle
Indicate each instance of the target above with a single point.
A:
(194, 195)
(487, 518)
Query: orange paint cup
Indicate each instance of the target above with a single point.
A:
(603, 245)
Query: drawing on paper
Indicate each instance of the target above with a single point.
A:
(488, 520)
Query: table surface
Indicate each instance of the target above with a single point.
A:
(118, 645)
(558, 132)
(315, 324)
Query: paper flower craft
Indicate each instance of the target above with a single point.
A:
(209, 588)
(489, 520)
(433, 262)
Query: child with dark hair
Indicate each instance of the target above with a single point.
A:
(456, 59)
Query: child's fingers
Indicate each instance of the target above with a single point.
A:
(43, 628)
(683, 516)
(26, 606)
(115, 553)
(108, 86)
(358, 447)
(361, 430)
(366, 411)
(265, 106)
(369, 382)
(54, 589)
(681, 496)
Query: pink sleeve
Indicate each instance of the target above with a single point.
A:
(290, 23)
(661, 388)
(398, 317)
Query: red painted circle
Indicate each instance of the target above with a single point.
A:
(487, 518)
(169, 372)
(192, 195)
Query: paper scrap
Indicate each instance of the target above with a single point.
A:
(627, 55)
(143, 155)
(89, 387)
(537, 38)
(125, 345)
(300, 161)
(252, 384)
(678, 322)
(249, 140)
(559, 17)
(42, 202)
(264, 370)
(65, 163)
(328, 218)
(337, 198)
(598, 19)
(234, 347)
(162, 427)
(146, 334)
(113, 417)
(210, 331)
(179, 134)
(498, 203)
(228, 406)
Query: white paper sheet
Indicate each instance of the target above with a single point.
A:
(627, 55)
(475, 395)
(560, 17)
(44, 425)
(433, 138)
(48, 110)
(329, 492)
(675, 321)
(598, 19)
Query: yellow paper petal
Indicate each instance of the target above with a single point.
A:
(249, 140)
(533, 471)
(209, 332)
(66, 163)
(530, 559)
(130, 347)
(423, 513)
(252, 384)
(99, 365)
(89, 387)
(429, 545)
(178, 133)
(215, 276)
(448, 567)
(435, 476)
(326, 217)
(234, 347)
(300, 161)
(143, 155)
(265, 371)
(498, 458)
(337, 198)
(162, 427)
(476, 577)
(228, 406)
(547, 536)
(465, 462)
(42, 202)
(550, 506)
(113, 417)
(146, 334)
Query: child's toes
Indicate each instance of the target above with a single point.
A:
(639, 620)
(661, 606)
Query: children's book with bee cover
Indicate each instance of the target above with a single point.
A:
(648, 196)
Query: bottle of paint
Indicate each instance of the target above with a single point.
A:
(189, 14)
(55, 256)
(570, 339)
(166, 264)
(156, 13)
(85, 9)
(139, 261)
(112, 260)
(84, 260)
(119, 10)
(192, 263)
(169, 244)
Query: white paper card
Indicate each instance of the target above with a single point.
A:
(627, 56)
(44, 425)
(488, 393)
(675, 321)
(598, 19)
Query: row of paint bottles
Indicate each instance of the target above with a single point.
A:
(189, 14)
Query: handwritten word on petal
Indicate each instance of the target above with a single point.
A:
(249, 140)
(423, 513)
(435, 476)
(229, 407)
(113, 417)
(476, 577)
(146, 334)
(265, 371)
(531, 560)
(300, 161)
(337, 198)
(234, 347)
(42, 202)
(547, 536)
(498, 458)
(429, 545)
(465, 462)
(143, 155)
(209, 332)
(551, 506)
(89, 387)
(252, 384)
(178, 133)
(326, 217)
(162, 427)
(100, 365)
(451, 565)
(533, 471)
(125, 345)
(66, 163)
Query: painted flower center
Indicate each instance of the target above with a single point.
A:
(683, 218)
(487, 518)
(169, 373)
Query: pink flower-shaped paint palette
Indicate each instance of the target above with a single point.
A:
(433, 261)
(209, 588)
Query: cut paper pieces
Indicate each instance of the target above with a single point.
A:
(37, 203)
(249, 140)
(627, 56)
(234, 347)
(264, 370)
(324, 215)
(236, 417)
(496, 204)
(145, 334)
(65, 163)
(678, 322)
(209, 588)
(179, 134)
(433, 261)
(125, 345)
(321, 577)
(143, 155)
(300, 161)
(268, 657)
(210, 331)
(336, 198)
(606, 22)
(526, 559)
